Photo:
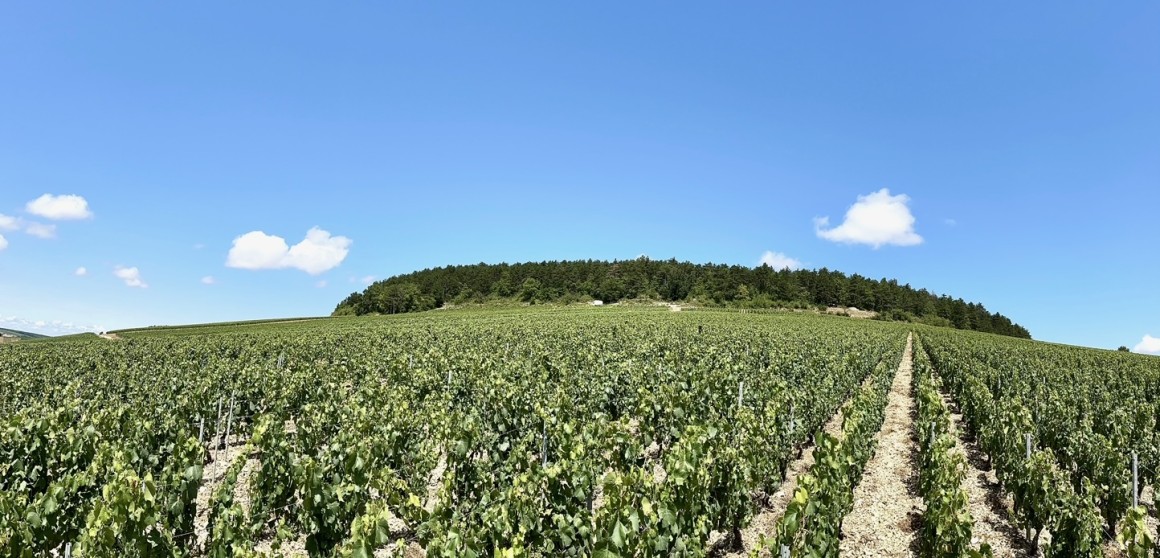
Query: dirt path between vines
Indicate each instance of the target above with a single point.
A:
(887, 507)
(765, 522)
(989, 507)
(213, 475)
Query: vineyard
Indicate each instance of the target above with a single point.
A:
(567, 432)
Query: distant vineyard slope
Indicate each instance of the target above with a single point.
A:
(671, 281)
(14, 335)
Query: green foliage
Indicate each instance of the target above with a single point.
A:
(530, 290)
(470, 434)
(946, 521)
(557, 432)
(670, 280)
(1085, 411)
(229, 531)
(371, 531)
(180, 479)
(812, 521)
(1134, 536)
(122, 521)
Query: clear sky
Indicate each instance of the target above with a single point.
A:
(1004, 154)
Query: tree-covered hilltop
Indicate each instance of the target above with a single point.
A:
(669, 280)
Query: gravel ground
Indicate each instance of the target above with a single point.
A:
(765, 522)
(887, 508)
(290, 549)
(989, 507)
(435, 483)
(212, 476)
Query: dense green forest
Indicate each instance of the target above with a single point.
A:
(669, 280)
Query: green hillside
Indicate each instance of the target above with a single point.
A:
(672, 281)
(625, 430)
(12, 333)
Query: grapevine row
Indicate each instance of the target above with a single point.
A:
(1059, 430)
(574, 434)
(812, 522)
(946, 520)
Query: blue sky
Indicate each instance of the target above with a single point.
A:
(1024, 142)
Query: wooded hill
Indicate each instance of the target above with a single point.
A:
(673, 281)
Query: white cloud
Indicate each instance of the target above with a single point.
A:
(365, 279)
(875, 219)
(9, 223)
(55, 327)
(258, 250)
(40, 230)
(779, 261)
(198, 246)
(321, 284)
(317, 253)
(131, 276)
(3, 242)
(1148, 345)
(67, 206)
(950, 222)
(208, 280)
(81, 272)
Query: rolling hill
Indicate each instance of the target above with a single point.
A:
(713, 285)
(8, 334)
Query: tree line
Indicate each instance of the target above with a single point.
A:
(669, 280)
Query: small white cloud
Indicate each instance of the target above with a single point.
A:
(779, 261)
(1148, 345)
(67, 206)
(198, 246)
(208, 280)
(321, 284)
(950, 222)
(131, 276)
(81, 272)
(365, 279)
(317, 253)
(3, 242)
(875, 219)
(40, 230)
(9, 223)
